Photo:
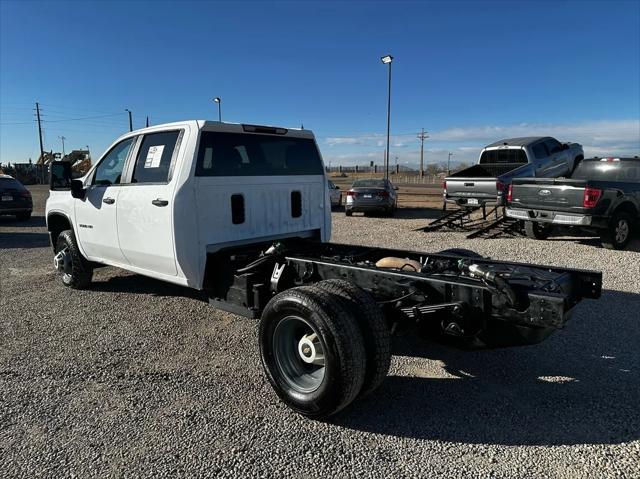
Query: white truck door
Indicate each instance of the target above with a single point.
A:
(96, 226)
(145, 220)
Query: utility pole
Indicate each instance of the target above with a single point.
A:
(449, 163)
(147, 121)
(40, 137)
(130, 119)
(62, 138)
(422, 136)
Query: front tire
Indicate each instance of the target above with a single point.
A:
(538, 231)
(348, 213)
(312, 351)
(618, 234)
(74, 270)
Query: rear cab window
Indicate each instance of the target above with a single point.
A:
(503, 156)
(623, 171)
(248, 154)
(11, 184)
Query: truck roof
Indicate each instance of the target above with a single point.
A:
(522, 141)
(211, 125)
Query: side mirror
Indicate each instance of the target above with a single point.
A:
(77, 189)
(60, 175)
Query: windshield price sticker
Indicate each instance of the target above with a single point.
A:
(154, 156)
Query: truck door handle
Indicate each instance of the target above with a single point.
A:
(108, 200)
(159, 202)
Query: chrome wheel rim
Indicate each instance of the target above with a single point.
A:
(299, 354)
(622, 231)
(62, 263)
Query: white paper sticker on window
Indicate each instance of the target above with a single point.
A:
(154, 156)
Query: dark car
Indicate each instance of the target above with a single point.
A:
(371, 196)
(15, 199)
(602, 196)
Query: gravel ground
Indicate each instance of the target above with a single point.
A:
(138, 378)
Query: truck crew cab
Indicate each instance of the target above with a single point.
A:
(242, 213)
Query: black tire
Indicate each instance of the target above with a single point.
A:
(338, 336)
(348, 213)
(78, 271)
(538, 231)
(23, 216)
(373, 325)
(467, 253)
(619, 232)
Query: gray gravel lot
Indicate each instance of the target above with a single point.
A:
(137, 378)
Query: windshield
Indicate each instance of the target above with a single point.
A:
(503, 155)
(368, 184)
(241, 154)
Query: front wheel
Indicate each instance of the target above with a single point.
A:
(312, 351)
(538, 231)
(618, 234)
(74, 270)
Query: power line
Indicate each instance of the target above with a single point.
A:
(84, 118)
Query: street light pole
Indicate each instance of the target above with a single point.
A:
(449, 163)
(62, 138)
(387, 59)
(130, 119)
(218, 100)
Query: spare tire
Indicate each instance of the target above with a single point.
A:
(373, 325)
(312, 351)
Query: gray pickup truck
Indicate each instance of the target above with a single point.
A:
(487, 181)
(602, 195)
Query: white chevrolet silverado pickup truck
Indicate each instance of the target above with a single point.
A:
(242, 213)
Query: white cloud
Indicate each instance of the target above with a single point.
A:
(612, 137)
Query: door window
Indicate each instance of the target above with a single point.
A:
(540, 151)
(553, 146)
(154, 158)
(109, 171)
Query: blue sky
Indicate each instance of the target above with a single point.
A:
(468, 72)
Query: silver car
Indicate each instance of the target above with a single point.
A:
(372, 196)
(334, 194)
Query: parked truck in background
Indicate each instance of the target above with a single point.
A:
(242, 213)
(487, 181)
(602, 196)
